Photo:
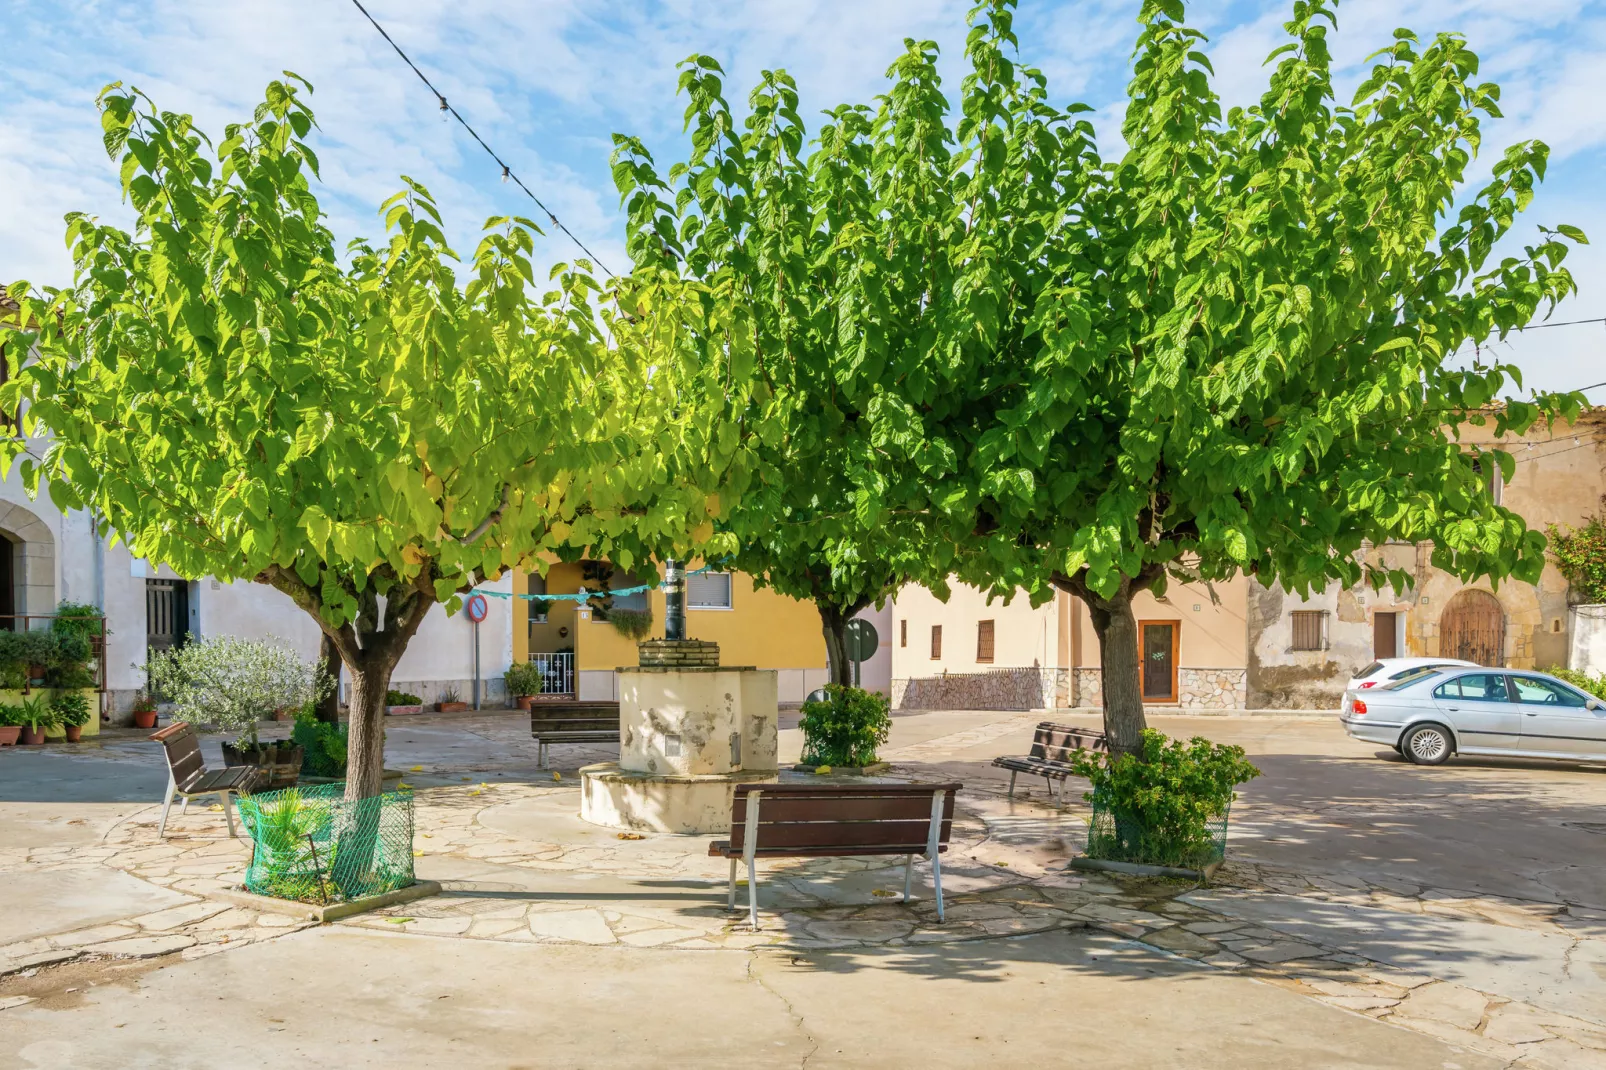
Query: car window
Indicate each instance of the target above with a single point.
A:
(1482, 686)
(1410, 676)
(1369, 670)
(1531, 689)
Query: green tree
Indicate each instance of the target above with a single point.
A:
(1237, 347)
(371, 438)
(825, 260)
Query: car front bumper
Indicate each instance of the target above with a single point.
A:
(1371, 730)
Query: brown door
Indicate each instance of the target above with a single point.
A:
(1157, 648)
(1473, 628)
(1385, 642)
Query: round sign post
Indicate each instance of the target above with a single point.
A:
(862, 643)
(477, 607)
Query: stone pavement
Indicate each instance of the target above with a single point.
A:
(1512, 981)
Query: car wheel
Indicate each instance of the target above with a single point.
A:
(1428, 744)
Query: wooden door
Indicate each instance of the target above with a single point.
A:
(1157, 650)
(1385, 637)
(1473, 628)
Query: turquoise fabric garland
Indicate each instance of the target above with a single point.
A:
(586, 596)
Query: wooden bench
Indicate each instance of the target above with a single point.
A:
(1050, 758)
(832, 820)
(187, 775)
(573, 722)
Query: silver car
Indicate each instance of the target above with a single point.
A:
(1437, 712)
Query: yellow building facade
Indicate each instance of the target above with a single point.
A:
(753, 626)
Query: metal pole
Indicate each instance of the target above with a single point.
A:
(476, 665)
(674, 600)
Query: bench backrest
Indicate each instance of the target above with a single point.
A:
(896, 817)
(574, 717)
(183, 748)
(1058, 742)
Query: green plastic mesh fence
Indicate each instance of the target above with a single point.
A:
(1117, 837)
(311, 845)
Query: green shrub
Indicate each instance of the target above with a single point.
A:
(1595, 685)
(11, 716)
(324, 745)
(846, 728)
(1168, 807)
(631, 623)
(77, 618)
(523, 678)
(402, 698)
(71, 708)
(1580, 554)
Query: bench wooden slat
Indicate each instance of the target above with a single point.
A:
(722, 849)
(896, 837)
(835, 808)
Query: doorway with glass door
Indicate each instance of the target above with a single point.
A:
(1157, 651)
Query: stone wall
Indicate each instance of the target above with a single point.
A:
(1201, 689)
(1000, 689)
(1213, 689)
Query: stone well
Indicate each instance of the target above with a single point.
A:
(690, 730)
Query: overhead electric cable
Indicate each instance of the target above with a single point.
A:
(507, 172)
(1563, 323)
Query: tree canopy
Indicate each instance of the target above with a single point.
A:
(370, 435)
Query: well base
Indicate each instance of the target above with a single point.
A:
(651, 802)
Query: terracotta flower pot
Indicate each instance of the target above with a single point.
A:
(9, 734)
(526, 701)
(144, 718)
(32, 736)
(74, 732)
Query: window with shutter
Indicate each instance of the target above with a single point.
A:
(1309, 626)
(708, 590)
(936, 642)
(903, 633)
(984, 640)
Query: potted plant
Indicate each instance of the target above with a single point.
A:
(523, 680)
(144, 710)
(235, 683)
(843, 730)
(10, 724)
(450, 701)
(400, 702)
(36, 717)
(71, 711)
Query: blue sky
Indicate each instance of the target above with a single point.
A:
(548, 82)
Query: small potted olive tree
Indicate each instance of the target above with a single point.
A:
(235, 684)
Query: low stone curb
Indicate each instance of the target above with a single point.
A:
(328, 911)
(1137, 869)
(875, 769)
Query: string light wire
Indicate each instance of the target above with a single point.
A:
(507, 172)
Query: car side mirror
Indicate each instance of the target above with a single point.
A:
(1595, 704)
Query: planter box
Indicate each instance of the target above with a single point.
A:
(875, 769)
(451, 707)
(402, 711)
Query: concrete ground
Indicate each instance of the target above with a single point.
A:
(1375, 914)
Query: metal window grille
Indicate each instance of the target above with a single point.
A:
(936, 642)
(708, 590)
(984, 640)
(1309, 626)
(557, 673)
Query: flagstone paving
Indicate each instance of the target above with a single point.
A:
(1519, 981)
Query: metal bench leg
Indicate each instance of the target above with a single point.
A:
(730, 899)
(184, 806)
(749, 849)
(228, 812)
(1013, 773)
(908, 875)
(167, 804)
(934, 848)
(540, 750)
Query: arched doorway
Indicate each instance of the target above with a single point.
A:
(1473, 628)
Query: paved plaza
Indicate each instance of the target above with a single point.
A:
(1372, 913)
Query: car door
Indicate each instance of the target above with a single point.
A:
(1480, 711)
(1557, 720)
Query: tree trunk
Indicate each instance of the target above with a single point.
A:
(1120, 670)
(328, 708)
(834, 624)
(365, 737)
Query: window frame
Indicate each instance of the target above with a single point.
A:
(936, 642)
(903, 632)
(1294, 619)
(730, 593)
(989, 629)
